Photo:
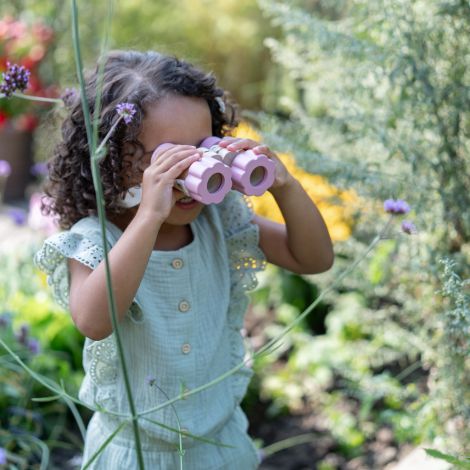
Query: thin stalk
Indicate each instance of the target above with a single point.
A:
(188, 434)
(295, 322)
(34, 98)
(100, 150)
(287, 443)
(76, 415)
(102, 217)
(102, 447)
(180, 440)
(42, 380)
(99, 81)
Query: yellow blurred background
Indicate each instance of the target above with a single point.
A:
(337, 216)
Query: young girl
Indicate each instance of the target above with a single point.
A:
(180, 269)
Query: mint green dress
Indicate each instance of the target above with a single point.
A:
(181, 331)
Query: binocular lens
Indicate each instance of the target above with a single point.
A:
(215, 182)
(258, 175)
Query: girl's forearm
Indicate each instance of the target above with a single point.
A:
(128, 260)
(308, 239)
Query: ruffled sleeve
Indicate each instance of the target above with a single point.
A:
(82, 243)
(246, 259)
(242, 238)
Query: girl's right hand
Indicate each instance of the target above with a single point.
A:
(158, 193)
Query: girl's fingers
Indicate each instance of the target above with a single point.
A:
(181, 166)
(264, 150)
(226, 141)
(162, 155)
(238, 144)
(165, 162)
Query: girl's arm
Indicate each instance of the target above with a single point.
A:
(303, 245)
(129, 256)
(128, 260)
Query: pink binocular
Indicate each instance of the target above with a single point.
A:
(219, 170)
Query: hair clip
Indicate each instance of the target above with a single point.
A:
(221, 104)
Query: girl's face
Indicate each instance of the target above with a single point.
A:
(180, 120)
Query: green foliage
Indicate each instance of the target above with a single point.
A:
(342, 376)
(459, 463)
(30, 429)
(377, 95)
(224, 36)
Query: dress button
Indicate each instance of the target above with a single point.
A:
(184, 306)
(177, 263)
(186, 348)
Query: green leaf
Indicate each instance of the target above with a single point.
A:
(449, 458)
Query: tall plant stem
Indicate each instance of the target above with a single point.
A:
(92, 141)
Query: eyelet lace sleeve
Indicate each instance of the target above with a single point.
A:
(245, 260)
(82, 243)
(242, 237)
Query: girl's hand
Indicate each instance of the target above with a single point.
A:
(282, 178)
(158, 194)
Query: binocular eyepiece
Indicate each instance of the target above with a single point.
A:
(211, 178)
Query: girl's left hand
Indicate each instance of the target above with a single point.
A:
(282, 175)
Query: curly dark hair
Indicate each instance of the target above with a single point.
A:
(140, 78)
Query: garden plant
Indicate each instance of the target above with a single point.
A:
(376, 103)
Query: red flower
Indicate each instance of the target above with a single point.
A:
(3, 119)
(24, 43)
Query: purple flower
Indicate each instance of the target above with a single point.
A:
(126, 111)
(33, 345)
(3, 456)
(69, 96)
(15, 78)
(398, 206)
(5, 168)
(4, 320)
(409, 227)
(23, 334)
(18, 216)
(150, 380)
(39, 169)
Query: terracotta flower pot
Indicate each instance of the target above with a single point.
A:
(16, 147)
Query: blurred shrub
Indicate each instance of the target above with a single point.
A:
(44, 337)
(377, 95)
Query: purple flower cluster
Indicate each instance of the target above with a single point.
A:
(398, 206)
(5, 168)
(150, 380)
(69, 96)
(18, 216)
(5, 320)
(23, 338)
(409, 227)
(15, 78)
(39, 169)
(126, 111)
(3, 456)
